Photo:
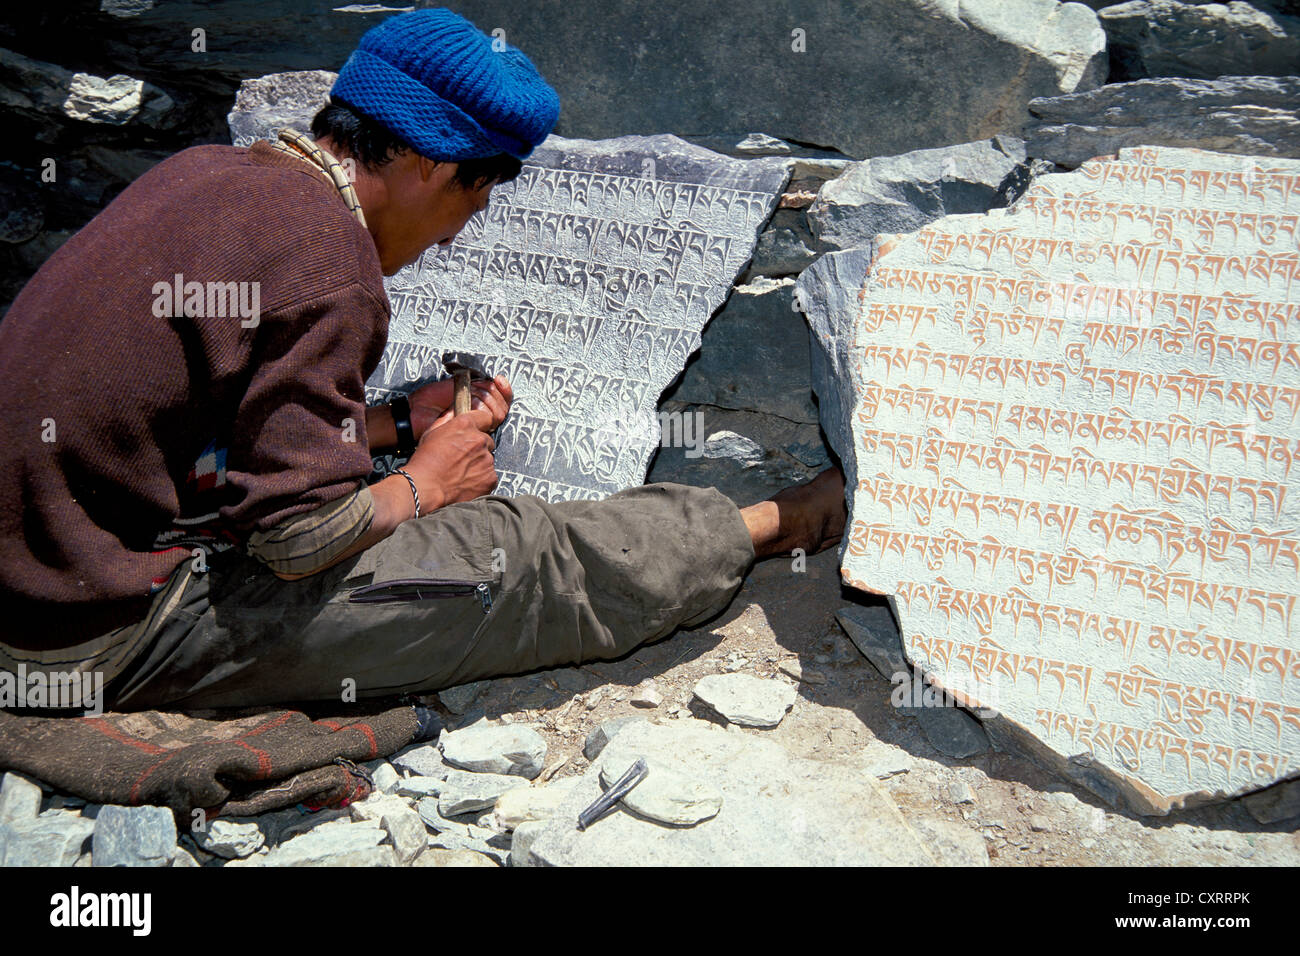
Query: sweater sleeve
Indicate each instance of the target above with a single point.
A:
(299, 438)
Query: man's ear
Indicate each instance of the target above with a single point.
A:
(431, 168)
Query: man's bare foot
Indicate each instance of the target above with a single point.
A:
(809, 516)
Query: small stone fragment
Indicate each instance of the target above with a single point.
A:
(531, 804)
(665, 796)
(230, 839)
(20, 799)
(952, 731)
(403, 825)
(337, 843)
(523, 838)
(516, 750)
(1039, 823)
(420, 787)
(959, 792)
(421, 760)
(385, 777)
(646, 694)
(461, 698)
(49, 841)
(746, 700)
(468, 792)
(134, 836)
(441, 856)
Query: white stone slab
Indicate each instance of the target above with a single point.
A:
(1070, 432)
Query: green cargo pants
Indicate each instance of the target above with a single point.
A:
(480, 589)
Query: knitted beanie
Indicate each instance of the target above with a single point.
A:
(433, 79)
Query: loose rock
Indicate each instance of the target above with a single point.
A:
(745, 700)
(1206, 40)
(664, 795)
(460, 699)
(134, 836)
(20, 799)
(646, 694)
(468, 792)
(778, 809)
(1250, 115)
(230, 839)
(902, 193)
(525, 836)
(514, 749)
(530, 804)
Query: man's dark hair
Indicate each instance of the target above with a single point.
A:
(372, 145)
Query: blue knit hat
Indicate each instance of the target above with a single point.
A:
(432, 78)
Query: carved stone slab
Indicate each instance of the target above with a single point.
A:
(1071, 436)
(586, 282)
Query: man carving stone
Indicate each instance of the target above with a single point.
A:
(182, 498)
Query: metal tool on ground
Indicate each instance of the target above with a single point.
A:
(620, 788)
(464, 367)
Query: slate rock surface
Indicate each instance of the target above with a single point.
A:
(902, 193)
(1203, 40)
(778, 810)
(1247, 115)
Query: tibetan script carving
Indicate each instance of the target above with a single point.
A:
(1072, 429)
(586, 282)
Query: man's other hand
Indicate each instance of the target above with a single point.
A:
(431, 405)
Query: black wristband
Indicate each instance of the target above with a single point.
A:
(401, 408)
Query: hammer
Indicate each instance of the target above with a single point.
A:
(464, 368)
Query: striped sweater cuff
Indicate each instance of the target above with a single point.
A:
(305, 543)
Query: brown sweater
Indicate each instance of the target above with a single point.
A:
(132, 428)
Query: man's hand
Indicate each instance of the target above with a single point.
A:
(453, 461)
(431, 404)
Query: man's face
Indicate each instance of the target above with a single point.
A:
(429, 209)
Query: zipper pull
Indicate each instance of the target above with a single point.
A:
(484, 596)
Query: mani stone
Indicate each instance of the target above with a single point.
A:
(665, 796)
(1069, 433)
(586, 283)
(134, 836)
(506, 749)
(778, 810)
(1250, 115)
(746, 700)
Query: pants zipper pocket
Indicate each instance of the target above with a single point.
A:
(420, 589)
